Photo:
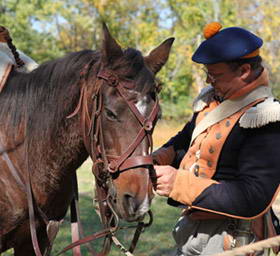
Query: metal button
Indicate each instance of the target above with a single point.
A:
(196, 170)
(209, 163)
(211, 150)
(218, 135)
(227, 123)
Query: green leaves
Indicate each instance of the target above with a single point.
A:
(47, 29)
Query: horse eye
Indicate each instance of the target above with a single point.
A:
(111, 115)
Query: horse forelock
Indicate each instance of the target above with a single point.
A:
(43, 98)
(132, 66)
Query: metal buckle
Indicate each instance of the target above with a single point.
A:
(148, 125)
(112, 167)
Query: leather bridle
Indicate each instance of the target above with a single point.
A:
(105, 166)
(124, 161)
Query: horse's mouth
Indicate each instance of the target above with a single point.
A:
(129, 209)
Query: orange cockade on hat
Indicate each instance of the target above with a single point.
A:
(211, 29)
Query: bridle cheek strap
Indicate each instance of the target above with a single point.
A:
(124, 161)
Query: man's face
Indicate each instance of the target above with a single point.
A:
(224, 80)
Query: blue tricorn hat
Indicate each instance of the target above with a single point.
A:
(226, 45)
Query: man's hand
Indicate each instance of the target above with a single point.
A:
(166, 175)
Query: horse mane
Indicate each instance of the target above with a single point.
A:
(43, 97)
(41, 100)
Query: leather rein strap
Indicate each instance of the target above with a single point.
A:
(26, 187)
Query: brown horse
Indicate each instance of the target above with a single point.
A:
(44, 129)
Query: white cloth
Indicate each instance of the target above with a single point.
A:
(7, 61)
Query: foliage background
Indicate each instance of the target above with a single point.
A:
(47, 29)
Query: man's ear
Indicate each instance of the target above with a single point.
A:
(245, 71)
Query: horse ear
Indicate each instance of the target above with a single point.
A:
(158, 57)
(110, 49)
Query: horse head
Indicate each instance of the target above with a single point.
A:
(118, 136)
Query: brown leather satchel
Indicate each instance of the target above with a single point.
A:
(263, 228)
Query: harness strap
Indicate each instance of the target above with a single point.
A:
(115, 164)
(120, 246)
(87, 239)
(17, 176)
(147, 127)
(28, 189)
(138, 231)
(135, 162)
(131, 105)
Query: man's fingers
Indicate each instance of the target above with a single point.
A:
(160, 170)
(161, 191)
(165, 179)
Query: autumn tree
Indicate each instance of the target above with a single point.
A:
(47, 29)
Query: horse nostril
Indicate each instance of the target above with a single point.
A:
(130, 203)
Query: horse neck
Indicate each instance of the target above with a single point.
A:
(58, 158)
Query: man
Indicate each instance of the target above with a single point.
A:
(223, 167)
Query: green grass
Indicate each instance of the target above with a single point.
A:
(155, 240)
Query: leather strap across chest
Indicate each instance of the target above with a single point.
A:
(229, 107)
(203, 155)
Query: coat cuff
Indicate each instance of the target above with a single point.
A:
(187, 187)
